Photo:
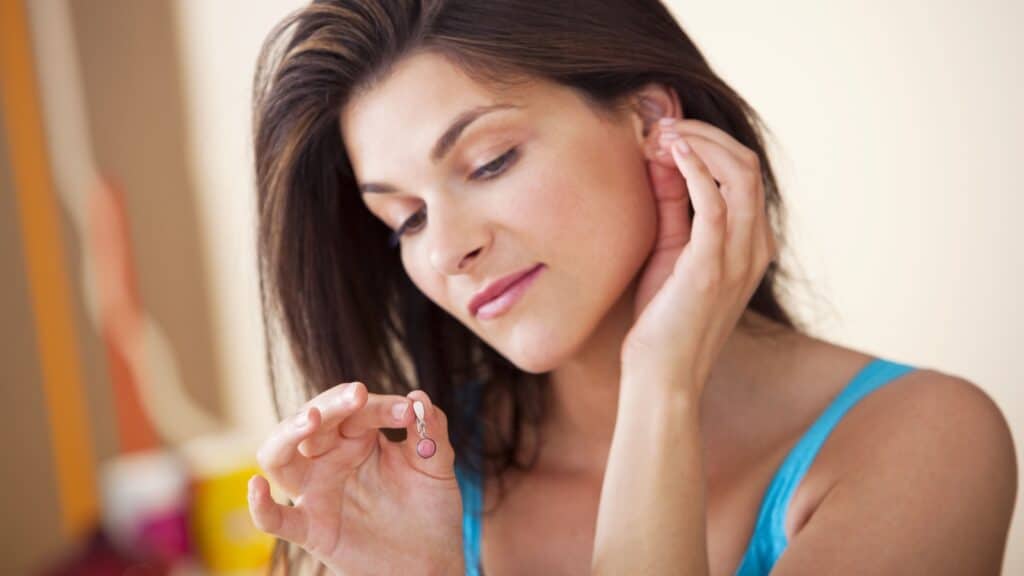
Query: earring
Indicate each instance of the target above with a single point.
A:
(425, 447)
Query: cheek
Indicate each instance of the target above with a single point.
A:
(587, 223)
(544, 213)
(635, 214)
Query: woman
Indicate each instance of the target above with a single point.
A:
(553, 228)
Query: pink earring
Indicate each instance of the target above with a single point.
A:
(425, 447)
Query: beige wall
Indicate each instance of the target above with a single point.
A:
(133, 89)
(218, 47)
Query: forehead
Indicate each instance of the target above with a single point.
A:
(413, 105)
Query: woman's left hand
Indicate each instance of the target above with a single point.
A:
(700, 275)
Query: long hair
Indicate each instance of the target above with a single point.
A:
(340, 295)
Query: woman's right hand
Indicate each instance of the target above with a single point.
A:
(362, 504)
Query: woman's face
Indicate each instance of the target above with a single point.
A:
(541, 181)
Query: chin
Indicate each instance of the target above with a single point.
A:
(537, 347)
(534, 364)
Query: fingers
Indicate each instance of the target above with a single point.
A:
(744, 219)
(730, 162)
(714, 134)
(335, 404)
(282, 521)
(707, 236)
(349, 412)
(747, 232)
(279, 449)
(294, 435)
(352, 414)
(441, 464)
(380, 411)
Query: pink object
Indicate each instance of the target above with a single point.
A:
(426, 448)
(165, 534)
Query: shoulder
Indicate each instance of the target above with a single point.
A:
(942, 417)
(946, 419)
(939, 428)
(925, 463)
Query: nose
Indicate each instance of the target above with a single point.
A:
(456, 240)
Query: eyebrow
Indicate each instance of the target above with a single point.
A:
(444, 144)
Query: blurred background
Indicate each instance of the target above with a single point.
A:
(135, 392)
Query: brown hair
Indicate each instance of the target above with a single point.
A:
(346, 307)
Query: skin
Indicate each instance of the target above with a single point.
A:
(679, 440)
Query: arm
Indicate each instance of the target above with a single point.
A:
(652, 512)
(689, 296)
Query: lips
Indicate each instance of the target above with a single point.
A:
(496, 288)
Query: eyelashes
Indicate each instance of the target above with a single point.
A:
(494, 167)
(488, 171)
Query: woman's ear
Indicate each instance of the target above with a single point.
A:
(651, 103)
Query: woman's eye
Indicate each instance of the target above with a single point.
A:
(408, 224)
(485, 172)
(494, 167)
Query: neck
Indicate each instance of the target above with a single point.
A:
(584, 392)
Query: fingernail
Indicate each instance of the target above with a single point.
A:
(398, 410)
(667, 121)
(681, 146)
(417, 406)
(666, 139)
(349, 392)
(303, 419)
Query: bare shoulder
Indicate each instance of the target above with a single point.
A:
(926, 468)
(937, 420)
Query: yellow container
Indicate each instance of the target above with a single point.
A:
(225, 538)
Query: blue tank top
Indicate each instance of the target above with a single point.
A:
(769, 538)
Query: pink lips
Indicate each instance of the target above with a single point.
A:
(502, 294)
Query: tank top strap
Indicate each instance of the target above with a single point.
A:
(471, 487)
(769, 538)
